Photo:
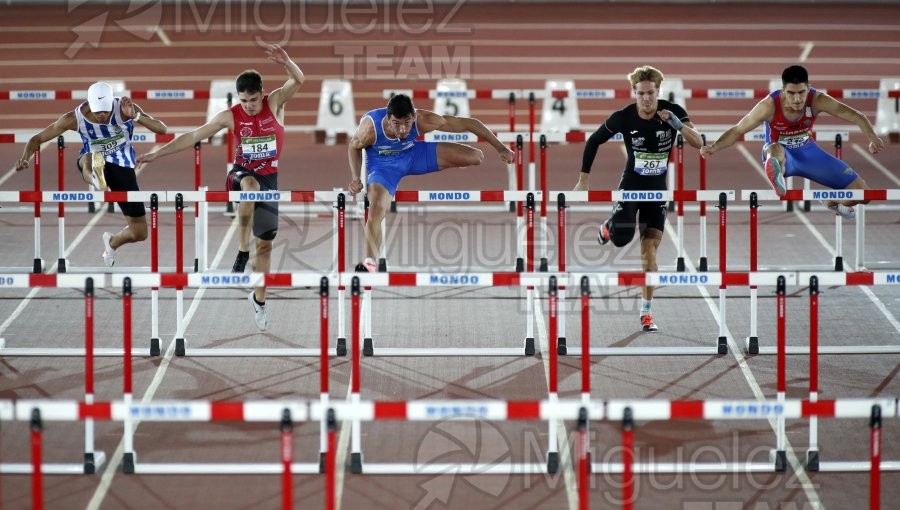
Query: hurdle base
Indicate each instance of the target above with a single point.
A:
(679, 264)
(92, 461)
(529, 346)
(154, 347)
(61, 265)
(806, 205)
(179, 346)
(128, 463)
(520, 265)
(752, 345)
(38, 266)
(780, 461)
(722, 345)
(110, 207)
(703, 266)
(552, 462)
(92, 207)
(839, 263)
(561, 346)
(341, 349)
(812, 460)
(544, 265)
(382, 265)
(322, 456)
(590, 463)
(356, 463)
(368, 347)
(196, 265)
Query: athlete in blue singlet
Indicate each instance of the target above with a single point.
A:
(789, 115)
(107, 160)
(389, 138)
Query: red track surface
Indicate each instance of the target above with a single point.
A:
(508, 46)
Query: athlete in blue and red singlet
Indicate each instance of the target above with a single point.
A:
(388, 135)
(789, 115)
(258, 126)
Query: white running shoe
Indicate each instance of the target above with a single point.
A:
(261, 312)
(98, 162)
(109, 254)
(844, 211)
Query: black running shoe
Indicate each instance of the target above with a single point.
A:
(240, 262)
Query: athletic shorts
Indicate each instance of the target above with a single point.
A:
(630, 215)
(814, 163)
(388, 170)
(265, 214)
(121, 178)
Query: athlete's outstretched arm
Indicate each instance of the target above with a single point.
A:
(282, 94)
(763, 111)
(826, 103)
(61, 125)
(429, 121)
(363, 137)
(222, 120)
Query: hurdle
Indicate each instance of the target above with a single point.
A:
(564, 198)
(93, 458)
(754, 196)
(626, 412)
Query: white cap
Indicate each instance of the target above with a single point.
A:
(100, 97)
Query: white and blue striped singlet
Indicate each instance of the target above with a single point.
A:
(113, 139)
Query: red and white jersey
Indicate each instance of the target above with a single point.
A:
(257, 139)
(791, 133)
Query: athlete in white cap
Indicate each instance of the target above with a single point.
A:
(107, 158)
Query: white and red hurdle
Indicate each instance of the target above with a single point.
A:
(287, 413)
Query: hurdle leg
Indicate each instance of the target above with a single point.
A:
(860, 237)
(753, 339)
(838, 244)
(722, 342)
(368, 343)
(179, 322)
(529, 321)
(129, 457)
(703, 265)
(341, 349)
(679, 263)
(561, 348)
(323, 431)
(382, 258)
(552, 444)
(154, 322)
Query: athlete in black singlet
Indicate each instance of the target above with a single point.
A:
(649, 128)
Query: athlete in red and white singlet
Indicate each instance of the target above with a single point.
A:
(257, 124)
(257, 139)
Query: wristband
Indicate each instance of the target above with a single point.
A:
(675, 122)
(137, 117)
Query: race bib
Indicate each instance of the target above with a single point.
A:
(108, 145)
(794, 141)
(259, 147)
(651, 163)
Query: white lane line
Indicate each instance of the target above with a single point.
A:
(874, 162)
(799, 471)
(162, 35)
(562, 438)
(807, 48)
(112, 467)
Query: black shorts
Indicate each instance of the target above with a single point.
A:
(265, 214)
(121, 178)
(629, 215)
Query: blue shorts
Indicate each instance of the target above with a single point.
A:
(388, 170)
(814, 163)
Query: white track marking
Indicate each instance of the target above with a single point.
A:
(807, 48)
(565, 462)
(874, 162)
(112, 466)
